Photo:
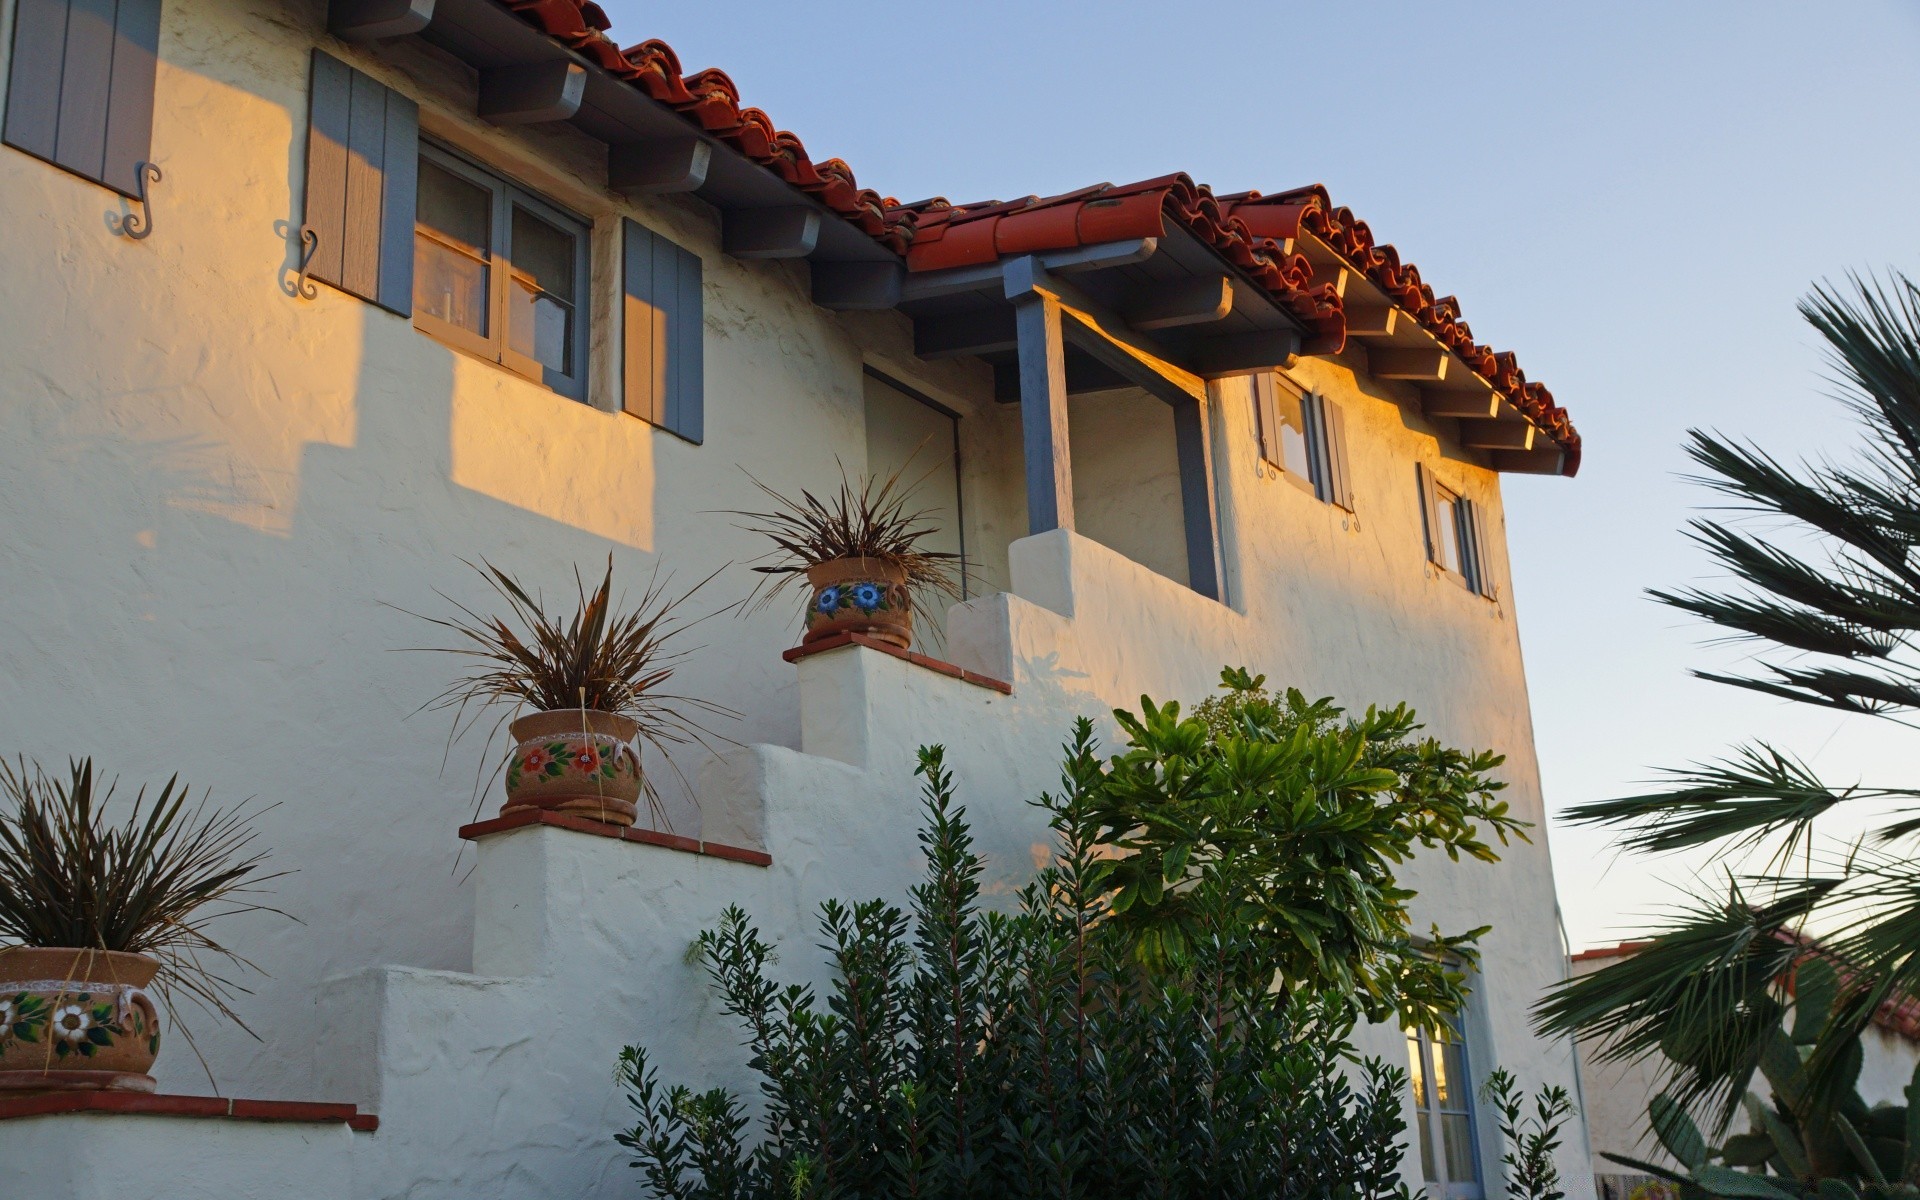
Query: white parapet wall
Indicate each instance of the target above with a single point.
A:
(499, 1081)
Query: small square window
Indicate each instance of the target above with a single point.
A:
(500, 273)
(1455, 542)
(1303, 438)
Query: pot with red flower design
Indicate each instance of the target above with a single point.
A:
(578, 761)
(76, 1020)
(860, 595)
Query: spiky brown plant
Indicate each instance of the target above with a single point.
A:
(868, 519)
(149, 885)
(601, 658)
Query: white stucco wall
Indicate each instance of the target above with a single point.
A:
(215, 492)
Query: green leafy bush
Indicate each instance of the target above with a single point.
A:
(961, 1052)
(1285, 820)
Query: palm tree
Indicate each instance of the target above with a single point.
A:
(1829, 585)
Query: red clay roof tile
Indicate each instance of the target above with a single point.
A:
(1246, 229)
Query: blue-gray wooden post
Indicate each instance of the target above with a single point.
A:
(1195, 455)
(1043, 412)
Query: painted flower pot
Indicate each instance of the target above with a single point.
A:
(575, 760)
(860, 595)
(76, 1020)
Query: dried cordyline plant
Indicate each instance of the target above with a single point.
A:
(870, 518)
(608, 659)
(150, 885)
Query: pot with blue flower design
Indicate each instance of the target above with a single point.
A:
(74, 1019)
(578, 761)
(860, 595)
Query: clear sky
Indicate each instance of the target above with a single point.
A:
(1629, 196)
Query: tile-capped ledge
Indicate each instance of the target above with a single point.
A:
(148, 1104)
(839, 640)
(520, 818)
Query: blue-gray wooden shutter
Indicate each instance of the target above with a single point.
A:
(363, 171)
(80, 89)
(665, 377)
(1482, 561)
(1429, 512)
(1339, 475)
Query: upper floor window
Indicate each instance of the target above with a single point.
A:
(80, 86)
(1443, 1107)
(1456, 541)
(1303, 437)
(500, 273)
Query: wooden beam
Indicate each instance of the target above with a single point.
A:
(658, 166)
(988, 332)
(789, 232)
(1461, 406)
(1183, 302)
(1244, 353)
(367, 20)
(532, 92)
(1372, 321)
(988, 276)
(1043, 413)
(857, 286)
(1195, 457)
(1544, 459)
(1498, 435)
(1425, 366)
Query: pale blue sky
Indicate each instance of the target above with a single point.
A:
(1630, 196)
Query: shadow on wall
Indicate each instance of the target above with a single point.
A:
(193, 582)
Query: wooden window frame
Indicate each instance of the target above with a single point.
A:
(1328, 477)
(495, 346)
(959, 474)
(1430, 1142)
(1468, 532)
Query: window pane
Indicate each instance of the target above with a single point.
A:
(459, 211)
(1449, 1075)
(1417, 1070)
(450, 271)
(540, 302)
(1295, 452)
(1458, 1135)
(1426, 1150)
(1447, 537)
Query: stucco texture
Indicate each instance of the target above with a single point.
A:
(223, 500)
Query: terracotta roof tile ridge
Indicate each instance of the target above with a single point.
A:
(710, 101)
(1311, 208)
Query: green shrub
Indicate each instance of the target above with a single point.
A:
(961, 1052)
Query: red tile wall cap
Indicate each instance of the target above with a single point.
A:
(162, 1105)
(1284, 215)
(950, 235)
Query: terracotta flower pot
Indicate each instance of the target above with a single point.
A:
(76, 1020)
(575, 760)
(860, 595)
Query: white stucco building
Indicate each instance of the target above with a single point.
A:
(416, 282)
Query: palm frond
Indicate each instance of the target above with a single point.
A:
(1758, 793)
(1702, 998)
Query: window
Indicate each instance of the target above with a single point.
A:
(1455, 537)
(80, 86)
(916, 436)
(1303, 437)
(1443, 1106)
(500, 273)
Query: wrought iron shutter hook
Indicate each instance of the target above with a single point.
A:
(303, 287)
(139, 227)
